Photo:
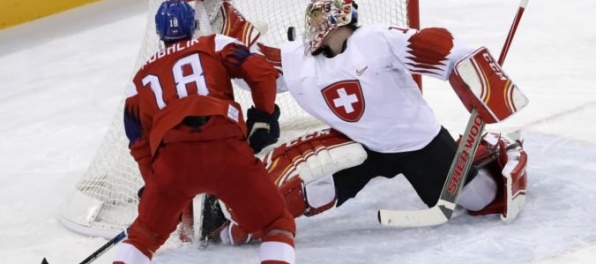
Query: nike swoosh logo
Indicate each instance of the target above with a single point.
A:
(360, 72)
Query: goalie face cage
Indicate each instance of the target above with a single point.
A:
(105, 199)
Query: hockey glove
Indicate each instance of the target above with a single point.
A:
(263, 129)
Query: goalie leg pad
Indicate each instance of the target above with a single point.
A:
(509, 171)
(313, 156)
(479, 192)
(515, 183)
(303, 169)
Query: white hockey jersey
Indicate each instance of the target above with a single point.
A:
(367, 92)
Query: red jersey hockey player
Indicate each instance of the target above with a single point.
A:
(188, 136)
(357, 79)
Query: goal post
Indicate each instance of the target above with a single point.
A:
(105, 199)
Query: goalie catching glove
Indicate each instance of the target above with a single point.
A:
(263, 128)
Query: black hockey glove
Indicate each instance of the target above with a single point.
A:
(263, 129)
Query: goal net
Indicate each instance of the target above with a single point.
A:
(105, 199)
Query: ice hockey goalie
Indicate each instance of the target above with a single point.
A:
(303, 169)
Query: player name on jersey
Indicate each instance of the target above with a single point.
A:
(171, 49)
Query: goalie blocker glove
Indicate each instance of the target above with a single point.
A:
(263, 128)
(480, 82)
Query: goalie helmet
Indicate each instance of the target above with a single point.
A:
(175, 20)
(323, 16)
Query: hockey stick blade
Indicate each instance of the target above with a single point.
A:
(436, 215)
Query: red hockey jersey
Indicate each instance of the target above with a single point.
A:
(193, 78)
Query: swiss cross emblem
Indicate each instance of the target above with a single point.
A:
(345, 99)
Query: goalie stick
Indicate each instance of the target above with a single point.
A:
(443, 210)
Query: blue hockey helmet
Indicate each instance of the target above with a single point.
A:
(175, 20)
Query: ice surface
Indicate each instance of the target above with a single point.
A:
(62, 77)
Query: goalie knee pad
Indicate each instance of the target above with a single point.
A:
(320, 195)
(479, 192)
(509, 172)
